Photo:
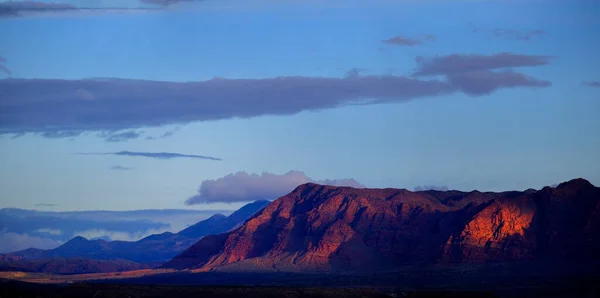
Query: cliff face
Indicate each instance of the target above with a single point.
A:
(318, 228)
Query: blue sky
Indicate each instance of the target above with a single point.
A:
(542, 131)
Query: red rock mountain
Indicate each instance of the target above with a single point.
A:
(325, 228)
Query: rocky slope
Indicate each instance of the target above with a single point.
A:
(154, 249)
(324, 228)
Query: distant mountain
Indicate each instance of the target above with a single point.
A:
(325, 228)
(153, 249)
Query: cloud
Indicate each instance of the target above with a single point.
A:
(3, 61)
(406, 41)
(157, 155)
(55, 232)
(485, 82)
(29, 8)
(457, 63)
(11, 242)
(117, 235)
(513, 34)
(165, 135)
(593, 84)
(45, 205)
(15, 8)
(430, 187)
(120, 168)
(61, 134)
(113, 137)
(244, 187)
(51, 105)
(478, 75)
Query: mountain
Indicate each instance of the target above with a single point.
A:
(153, 249)
(325, 228)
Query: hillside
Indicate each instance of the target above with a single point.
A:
(325, 228)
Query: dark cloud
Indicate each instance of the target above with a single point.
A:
(120, 168)
(27, 8)
(406, 41)
(457, 63)
(15, 8)
(40, 105)
(594, 84)
(485, 82)
(114, 137)
(45, 205)
(514, 34)
(430, 187)
(478, 75)
(244, 187)
(157, 155)
(61, 134)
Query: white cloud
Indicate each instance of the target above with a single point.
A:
(11, 242)
(244, 187)
(50, 231)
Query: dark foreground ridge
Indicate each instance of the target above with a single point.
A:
(319, 228)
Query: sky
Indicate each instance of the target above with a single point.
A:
(126, 105)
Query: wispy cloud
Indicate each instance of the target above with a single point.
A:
(120, 168)
(407, 41)
(157, 155)
(114, 137)
(3, 68)
(45, 205)
(457, 63)
(42, 105)
(483, 74)
(593, 84)
(514, 34)
(61, 134)
(165, 135)
(244, 187)
(10, 9)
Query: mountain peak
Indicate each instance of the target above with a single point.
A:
(578, 183)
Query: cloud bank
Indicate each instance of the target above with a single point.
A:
(72, 106)
(10, 242)
(156, 155)
(244, 187)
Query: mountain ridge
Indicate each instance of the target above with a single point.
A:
(325, 228)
